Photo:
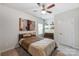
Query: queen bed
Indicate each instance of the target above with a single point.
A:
(37, 46)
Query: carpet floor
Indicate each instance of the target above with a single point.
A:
(21, 52)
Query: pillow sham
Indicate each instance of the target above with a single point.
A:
(26, 35)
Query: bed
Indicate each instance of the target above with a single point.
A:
(37, 46)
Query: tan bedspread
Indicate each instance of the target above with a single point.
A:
(25, 42)
(42, 48)
(38, 46)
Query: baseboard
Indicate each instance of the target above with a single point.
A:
(0, 53)
(8, 49)
(69, 46)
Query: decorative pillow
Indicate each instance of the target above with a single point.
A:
(26, 35)
(33, 37)
(33, 34)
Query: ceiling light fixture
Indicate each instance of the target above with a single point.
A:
(43, 12)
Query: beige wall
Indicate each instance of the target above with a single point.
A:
(9, 27)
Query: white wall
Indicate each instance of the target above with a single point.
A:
(68, 24)
(9, 27)
(77, 30)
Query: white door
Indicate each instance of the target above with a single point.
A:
(58, 31)
(65, 32)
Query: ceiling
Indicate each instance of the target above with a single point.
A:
(33, 8)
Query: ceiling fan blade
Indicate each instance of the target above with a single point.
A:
(50, 6)
(49, 11)
(38, 4)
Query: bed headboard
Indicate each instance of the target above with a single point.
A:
(20, 36)
(24, 35)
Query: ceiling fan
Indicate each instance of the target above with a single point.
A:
(45, 8)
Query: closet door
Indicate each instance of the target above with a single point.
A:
(59, 31)
(77, 32)
(68, 32)
(65, 31)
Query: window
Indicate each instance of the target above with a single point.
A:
(40, 28)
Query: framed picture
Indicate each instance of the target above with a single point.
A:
(26, 25)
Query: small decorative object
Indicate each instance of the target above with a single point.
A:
(52, 23)
(52, 27)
